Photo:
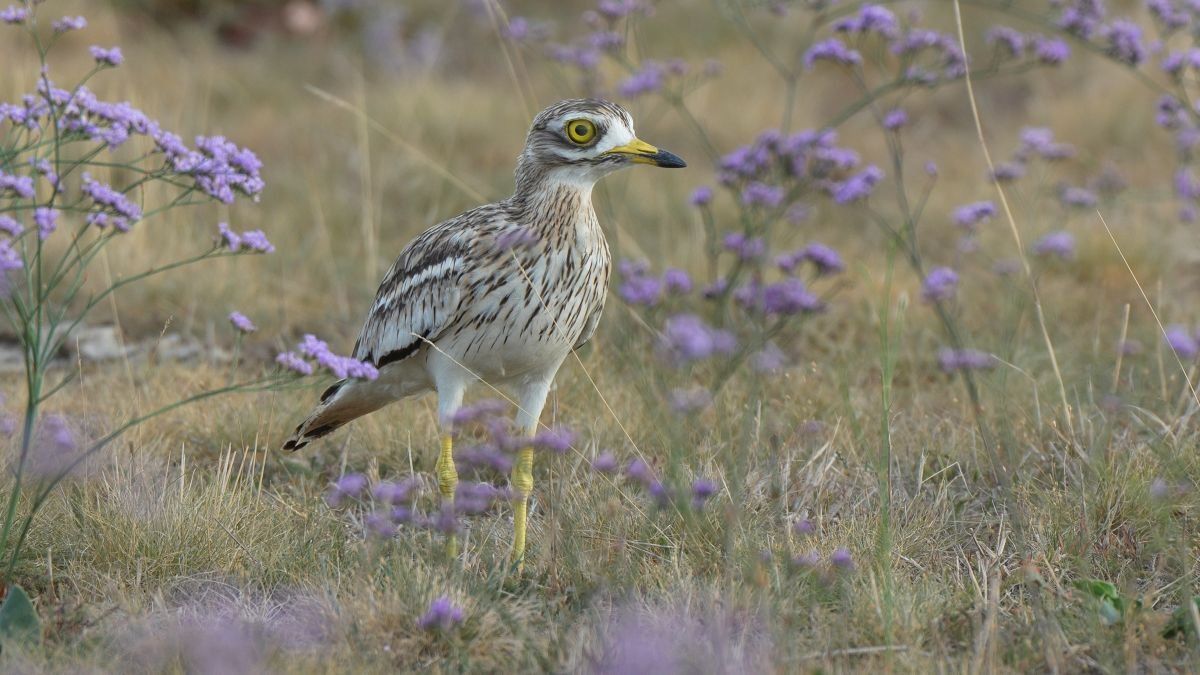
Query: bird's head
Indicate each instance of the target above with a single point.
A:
(582, 140)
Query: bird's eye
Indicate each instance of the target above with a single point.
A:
(581, 132)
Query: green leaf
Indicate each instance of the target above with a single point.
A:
(18, 619)
(1111, 604)
(1181, 621)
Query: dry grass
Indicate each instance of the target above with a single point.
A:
(199, 510)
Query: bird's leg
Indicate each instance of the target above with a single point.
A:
(447, 477)
(522, 485)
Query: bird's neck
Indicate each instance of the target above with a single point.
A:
(554, 202)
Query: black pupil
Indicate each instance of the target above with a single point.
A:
(581, 130)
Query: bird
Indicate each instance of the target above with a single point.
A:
(502, 293)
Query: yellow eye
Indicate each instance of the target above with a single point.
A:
(581, 132)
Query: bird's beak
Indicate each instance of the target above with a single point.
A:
(641, 152)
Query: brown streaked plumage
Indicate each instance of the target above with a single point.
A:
(502, 292)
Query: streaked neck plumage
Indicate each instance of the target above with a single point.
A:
(553, 198)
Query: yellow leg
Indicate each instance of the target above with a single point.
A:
(522, 485)
(447, 477)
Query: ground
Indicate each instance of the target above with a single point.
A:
(968, 530)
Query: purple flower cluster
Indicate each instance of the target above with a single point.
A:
(340, 366)
(940, 284)
(969, 216)
(825, 260)
(250, 240)
(686, 338)
(1184, 343)
(870, 19)
(20, 186)
(942, 52)
(46, 220)
(745, 248)
(1059, 244)
(14, 15)
(317, 350)
(638, 286)
(950, 360)
(442, 615)
(242, 322)
(832, 50)
(109, 207)
(787, 297)
(69, 23)
(111, 57)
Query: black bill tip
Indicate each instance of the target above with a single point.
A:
(667, 160)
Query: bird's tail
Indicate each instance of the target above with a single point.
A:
(341, 403)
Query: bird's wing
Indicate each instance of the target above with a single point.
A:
(419, 296)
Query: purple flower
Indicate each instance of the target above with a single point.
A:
(940, 284)
(242, 322)
(340, 366)
(14, 15)
(641, 290)
(690, 400)
(1060, 244)
(803, 527)
(1125, 42)
(639, 471)
(1081, 17)
(687, 337)
(761, 194)
(746, 248)
(769, 359)
(870, 19)
(394, 493)
(858, 186)
(894, 119)
(46, 220)
(833, 50)
(10, 226)
(349, 485)
(1010, 40)
(442, 615)
(951, 360)
(701, 196)
(842, 559)
(931, 169)
(789, 297)
(969, 216)
(702, 490)
(647, 80)
(557, 440)
(1040, 141)
(69, 23)
(112, 207)
(1078, 197)
(1179, 339)
(1007, 171)
(1165, 12)
(21, 186)
(293, 362)
(825, 259)
(677, 281)
(380, 525)
(478, 411)
(1050, 51)
(255, 240)
(227, 237)
(107, 57)
(605, 462)
(517, 29)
